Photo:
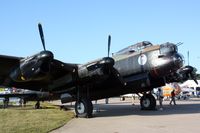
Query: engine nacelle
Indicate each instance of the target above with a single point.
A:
(86, 75)
(97, 70)
(183, 74)
(33, 68)
(27, 72)
(66, 97)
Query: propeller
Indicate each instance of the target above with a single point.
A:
(193, 75)
(105, 66)
(111, 61)
(41, 35)
(107, 62)
(190, 71)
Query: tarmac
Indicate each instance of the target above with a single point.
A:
(123, 117)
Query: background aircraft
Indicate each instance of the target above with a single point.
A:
(28, 95)
(136, 69)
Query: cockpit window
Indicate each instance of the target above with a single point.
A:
(135, 48)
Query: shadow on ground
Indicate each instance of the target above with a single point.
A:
(111, 110)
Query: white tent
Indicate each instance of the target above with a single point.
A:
(190, 84)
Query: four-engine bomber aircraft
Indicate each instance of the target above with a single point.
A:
(136, 69)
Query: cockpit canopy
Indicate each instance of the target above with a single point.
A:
(168, 48)
(134, 48)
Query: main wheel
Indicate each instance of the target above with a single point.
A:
(148, 102)
(83, 108)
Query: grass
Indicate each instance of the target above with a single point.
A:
(30, 120)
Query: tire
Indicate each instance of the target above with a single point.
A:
(148, 102)
(83, 108)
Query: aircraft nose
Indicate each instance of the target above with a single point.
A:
(178, 60)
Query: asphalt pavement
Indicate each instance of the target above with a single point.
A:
(123, 117)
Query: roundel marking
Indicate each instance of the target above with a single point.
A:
(142, 59)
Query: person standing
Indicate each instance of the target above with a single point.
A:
(172, 98)
(106, 100)
(160, 98)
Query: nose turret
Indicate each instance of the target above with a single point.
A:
(170, 51)
(168, 61)
(168, 48)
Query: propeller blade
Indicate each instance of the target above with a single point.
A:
(41, 35)
(194, 76)
(195, 81)
(191, 72)
(109, 42)
(188, 57)
(117, 75)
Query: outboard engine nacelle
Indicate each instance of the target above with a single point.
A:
(183, 74)
(33, 68)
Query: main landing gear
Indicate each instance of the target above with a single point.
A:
(83, 108)
(5, 102)
(148, 102)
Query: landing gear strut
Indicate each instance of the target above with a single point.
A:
(5, 102)
(37, 105)
(83, 108)
(148, 102)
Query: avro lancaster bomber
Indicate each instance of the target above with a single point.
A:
(136, 69)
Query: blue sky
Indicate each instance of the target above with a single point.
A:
(77, 30)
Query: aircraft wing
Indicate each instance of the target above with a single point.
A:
(7, 63)
(19, 95)
(59, 69)
(31, 95)
(31, 73)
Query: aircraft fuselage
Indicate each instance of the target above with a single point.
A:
(140, 70)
